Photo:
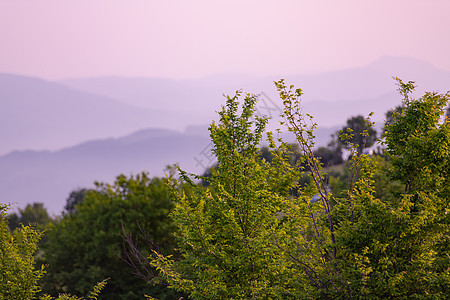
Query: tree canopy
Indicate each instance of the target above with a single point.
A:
(246, 235)
(88, 245)
(18, 273)
(263, 223)
(32, 214)
(360, 133)
(18, 276)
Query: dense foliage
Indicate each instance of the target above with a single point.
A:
(247, 235)
(362, 134)
(32, 214)
(87, 245)
(18, 276)
(225, 230)
(18, 273)
(285, 221)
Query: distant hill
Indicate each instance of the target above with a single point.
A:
(49, 177)
(38, 114)
(61, 116)
(337, 112)
(373, 80)
(331, 97)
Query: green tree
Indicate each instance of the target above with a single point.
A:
(328, 157)
(225, 230)
(247, 236)
(32, 214)
(18, 276)
(391, 115)
(417, 143)
(395, 245)
(88, 246)
(398, 246)
(356, 128)
(75, 198)
(13, 221)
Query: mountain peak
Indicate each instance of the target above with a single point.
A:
(400, 64)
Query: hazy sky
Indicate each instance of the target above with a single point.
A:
(187, 39)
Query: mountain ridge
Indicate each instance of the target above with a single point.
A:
(44, 115)
(96, 138)
(49, 176)
(41, 114)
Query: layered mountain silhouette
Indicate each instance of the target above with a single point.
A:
(57, 136)
(330, 97)
(38, 114)
(49, 176)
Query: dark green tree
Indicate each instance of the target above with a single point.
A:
(332, 154)
(88, 246)
(391, 115)
(359, 132)
(75, 198)
(13, 221)
(32, 214)
(18, 273)
(266, 154)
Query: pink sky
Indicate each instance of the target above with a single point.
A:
(187, 39)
